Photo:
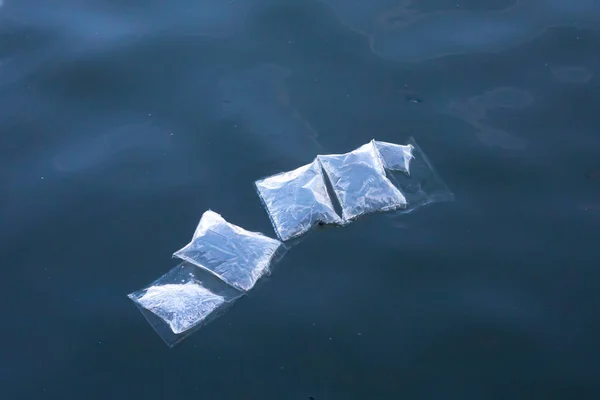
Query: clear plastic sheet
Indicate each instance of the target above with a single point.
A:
(235, 255)
(183, 300)
(395, 157)
(419, 182)
(359, 182)
(297, 200)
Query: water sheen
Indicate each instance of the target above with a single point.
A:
(121, 122)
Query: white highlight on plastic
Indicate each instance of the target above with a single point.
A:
(236, 256)
(180, 306)
(297, 200)
(359, 182)
(395, 157)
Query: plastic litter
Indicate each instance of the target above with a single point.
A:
(223, 261)
(235, 255)
(297, 200)
(414, 175)
(180, 304)
(359, 182)
(395, 157)
(182, 300)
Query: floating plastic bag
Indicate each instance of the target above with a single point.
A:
(183, 300)
(297, 200)
(223, 260)
(413, 173)
(359, 182)
(180, 304)
(235, 255)
(395, 157)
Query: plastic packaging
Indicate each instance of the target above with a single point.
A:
(223, 260)
(183, 300)
(297, 200)
(419, 181)
(235, 255)
(395, 157)
(359, 182)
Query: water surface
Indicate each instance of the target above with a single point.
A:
(121, 122)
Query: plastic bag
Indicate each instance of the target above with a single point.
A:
(395, 157)
(224, 261)
(359, 182)
(418, 180)
(297, 200)
(235, 255)
(183, 300)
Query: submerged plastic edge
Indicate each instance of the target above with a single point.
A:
(422, 185)
(448, 193)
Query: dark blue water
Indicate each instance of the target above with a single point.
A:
(122, 121)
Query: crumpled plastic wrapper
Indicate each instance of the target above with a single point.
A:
(297, 200)
(360, 184)
(235, 255)
(182, 300)
(395, 157)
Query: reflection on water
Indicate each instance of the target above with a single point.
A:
(475, 111)
(122, 121)
(405, 32)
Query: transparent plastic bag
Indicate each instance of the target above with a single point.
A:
(183, 300)
(297, 200)
(418, 180)
(235, 255)
(395, 157)
(359, 182)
